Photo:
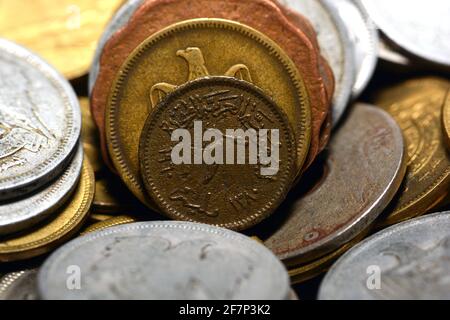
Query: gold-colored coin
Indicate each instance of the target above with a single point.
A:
(187, 51)
(60, 227)
(64, 32)
(89, 135)
(111, 196)
(417, 107)
(446, 119)
(112, 222)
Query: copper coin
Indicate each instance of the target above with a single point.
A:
(262, 15)
(365, 167)
(219, 191)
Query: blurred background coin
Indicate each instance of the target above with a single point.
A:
(89, 136)
(40, 122)
(142, 261)
(406, 261)
(64, 32)
(19, 285)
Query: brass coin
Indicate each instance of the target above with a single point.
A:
(61, 227)
(64, 32)
(204, 47)
(446, 119)
(89, 135)
(417, 107)
(114, 221)
(111, 196)
(222, 193)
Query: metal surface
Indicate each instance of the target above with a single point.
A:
(89, 136)
(419, 27)
(365, 167)
(24, 213)
(411, 260)
(142, 261)
(39, 121)
(20, 285)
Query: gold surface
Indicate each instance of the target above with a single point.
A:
(224, 44)
(108, 223)
(64, 32)
(57, 229)
(417, 107)
(89, 136)
(446, 119)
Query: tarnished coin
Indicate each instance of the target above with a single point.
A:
(184, 52)
(165, 260)
(350, 194)
(111, 196)
(446, 118)
(20, 285)
(335, 45)
(25, 212)
(419, 27)
(64, 32)
(89, 135)
(209, 186)
(417, 107)
(364, 39)
(120, 18)
(64, 223)
(261, 15)
(108, 223)
(406, 261)
(39, 122)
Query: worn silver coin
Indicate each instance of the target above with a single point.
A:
(120, 19)
(40, 121)
(365, 167)
(165, 260)
(335, 46)
(410, 260)
(20, 285)
(419, 27)
(364, 38)
(23, 213)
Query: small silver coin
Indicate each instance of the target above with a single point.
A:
(365, 167)
(364, 38)
(17, 215)
(164, 260)
(335, 46)
(419, 27)
(119, 20)
(40, 121)
(20, 285)
(410, 260)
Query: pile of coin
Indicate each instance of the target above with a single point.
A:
(264, 127)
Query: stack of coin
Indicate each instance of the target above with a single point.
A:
(45, 185)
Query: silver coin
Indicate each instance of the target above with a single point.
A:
(335, 46)
(20, 285)
(20, 214)
(410, 260)
(119, 20)
(388, 54)
(164, 260)
(365, 167)
(364, 38)
(40, 121)
(419, 27)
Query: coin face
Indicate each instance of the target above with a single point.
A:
(184, 52)
(350, 194)
(60, 31)
(39, 122)
(409, 259)
(335, 45)
(261, 15)
(65, 222)
(89, 135)
(364, 38)
(417, 105)
(20, 285)
(420, 27)
(24, 213)
(212, 190)
(142, 261)
(446, 118)
(119, 19)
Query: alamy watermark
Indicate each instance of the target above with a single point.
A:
(235, 146)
